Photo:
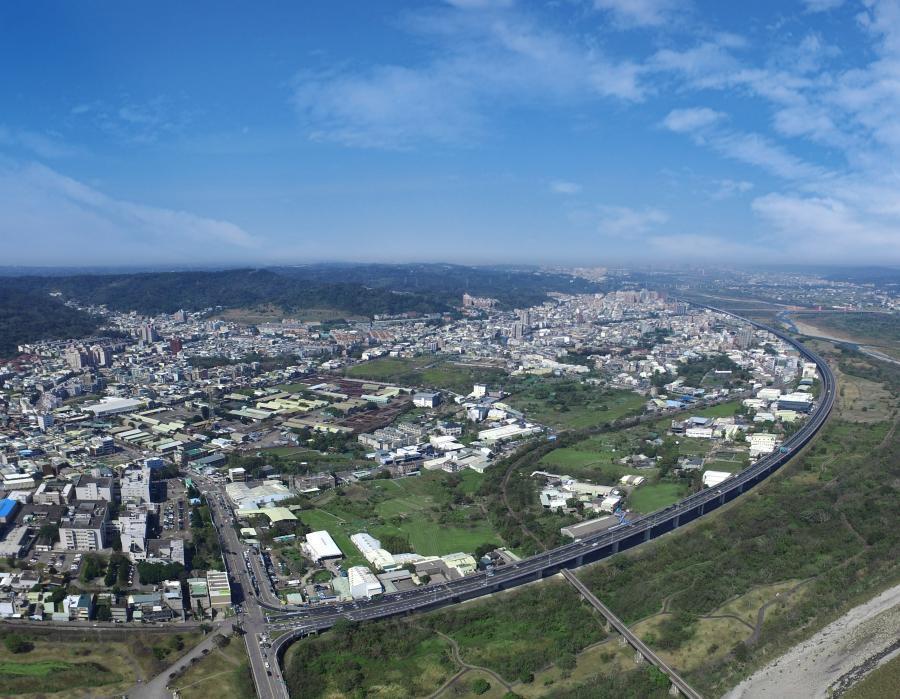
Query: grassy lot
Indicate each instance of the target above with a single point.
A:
(723, 465)
(50, 676)
(427, 371)
(721, 410)
(862, 400)
(412, 507)
(880, 683)
(571, 404)
(86, 665)
(223, 672)
(599, 466)
(880, 330)
(654, 496)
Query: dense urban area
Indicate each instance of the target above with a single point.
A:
(205, 475)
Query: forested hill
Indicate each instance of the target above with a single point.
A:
(511, 286)
(166, 292)
(354, 289)
(27, 316)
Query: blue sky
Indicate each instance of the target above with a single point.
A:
(577, 131)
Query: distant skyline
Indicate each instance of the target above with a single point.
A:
(589, 132)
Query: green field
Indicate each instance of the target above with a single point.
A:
(880, 330)
(655, 496)
(41, 677)
(87, 664)
(427, 372)
(571, 404)
(597, 458)
(598, 466)
(721, 465)
(415, 507)
(38, 669)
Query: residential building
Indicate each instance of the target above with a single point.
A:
(219, 589)
(84, 526)
(134, 485)
(95, 488)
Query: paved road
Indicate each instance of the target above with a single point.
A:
(266, 672)
(156, 688)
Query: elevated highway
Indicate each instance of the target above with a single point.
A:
(299, 623)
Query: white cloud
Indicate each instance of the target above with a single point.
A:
(134, 121)
(480, 4)
(640, 13)
(45, 146)
(390, 107)
(755, 149)
(624, 222)
(565, 187)
(708, 64)
(692, 119)
(728, 188)
(59, 220)
(819, 227)
(822, 5)
(482, 61)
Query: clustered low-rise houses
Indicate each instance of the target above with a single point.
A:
(94, 433)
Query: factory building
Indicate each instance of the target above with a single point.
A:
(321, 546)
(363, 583)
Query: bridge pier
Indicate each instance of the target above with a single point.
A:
(638, 658)
(677, 521)
(579, 561)
(646, 535)
(615, 547)
(673, 690)
(623, 641)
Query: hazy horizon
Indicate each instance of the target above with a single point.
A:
(462, 131)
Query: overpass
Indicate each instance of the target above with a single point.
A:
(642, 649)
(296, 624)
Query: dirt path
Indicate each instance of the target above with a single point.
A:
(889, 436)
(514, 466)
(466, 668)
(811, 668)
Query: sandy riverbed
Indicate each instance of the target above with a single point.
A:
(810, 668)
